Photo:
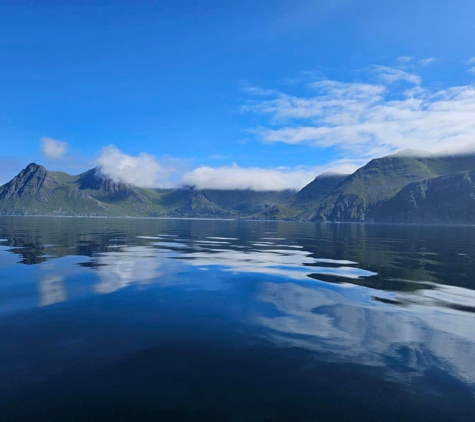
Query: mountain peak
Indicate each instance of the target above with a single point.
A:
(34, 167)
(27, 183)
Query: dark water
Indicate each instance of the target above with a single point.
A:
(189, 320)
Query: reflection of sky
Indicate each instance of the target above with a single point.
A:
(52, 290)
(130, 265)
(133, 265)
(369, 332)
(152, 263)
(290, 263)
(340, 322)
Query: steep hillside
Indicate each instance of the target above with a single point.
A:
(398, 188)
(307, 199)
(37, 191)
(442, 199)
(360, 196)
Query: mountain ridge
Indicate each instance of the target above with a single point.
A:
(399, 188)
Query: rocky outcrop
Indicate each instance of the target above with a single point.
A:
(438, 200)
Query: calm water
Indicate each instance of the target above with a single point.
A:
(192, 320)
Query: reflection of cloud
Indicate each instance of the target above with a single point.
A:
(350, 328)
(131, 265)
(51, 290)
(292, 263)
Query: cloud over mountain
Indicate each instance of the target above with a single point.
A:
(261, 179)
(143, 170)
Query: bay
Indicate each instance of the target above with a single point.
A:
(223, 320)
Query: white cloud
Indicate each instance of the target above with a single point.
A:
(143, 170)
(371, 119)
(219, 157)
(471, 61)
(262, 179)
(471, 70)
(391, 75)
(253, 90)
(405, 59)
(53, 149)
(235, 177)
(427, 61)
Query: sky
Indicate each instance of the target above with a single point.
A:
(231, 93)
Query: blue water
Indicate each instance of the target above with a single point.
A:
(201, 320)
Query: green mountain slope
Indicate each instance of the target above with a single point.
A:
(36, 191)
(360, 196)
(442, 199)
(305, 200)
(398, 188)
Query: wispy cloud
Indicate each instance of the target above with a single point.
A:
(219, 157)
(53, 149)
(390, 75)
(371, 119)
(427, 61)
(471, 70)
(405, 59)
(471, 61)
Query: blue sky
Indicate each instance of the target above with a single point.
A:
(231, 93)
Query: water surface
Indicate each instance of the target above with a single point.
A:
(201, 320)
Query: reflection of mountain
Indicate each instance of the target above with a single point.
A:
(346, 325)
(401, 256)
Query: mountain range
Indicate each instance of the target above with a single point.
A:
(410, 187)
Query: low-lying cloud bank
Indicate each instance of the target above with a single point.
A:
(262, 179)
(148, 171)
(255, 178)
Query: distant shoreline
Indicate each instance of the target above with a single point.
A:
(240, 219)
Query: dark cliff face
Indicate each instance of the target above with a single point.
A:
(361, 195)
(108, 188)
(439, 200)
(93, 179)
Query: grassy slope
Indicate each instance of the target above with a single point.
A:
(437, 200)
(304, 200)
(360, 195)
(64, 194)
